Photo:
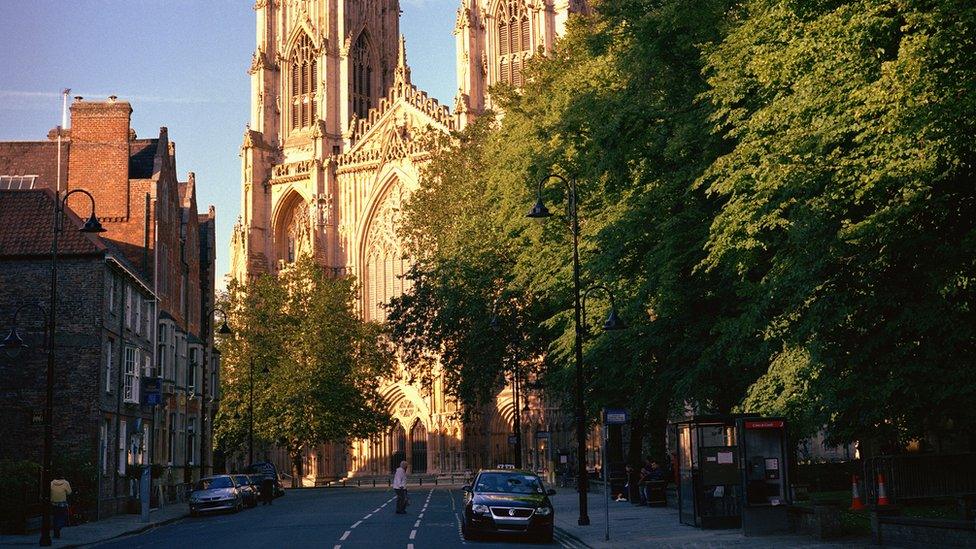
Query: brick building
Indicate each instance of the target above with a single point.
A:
(104, 348)
(153, 228)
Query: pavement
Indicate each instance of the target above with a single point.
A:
(636, 526)
(351, 517)
(102, 530)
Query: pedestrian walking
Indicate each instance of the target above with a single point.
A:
(267, 490)
(400, 487)
(60, 490)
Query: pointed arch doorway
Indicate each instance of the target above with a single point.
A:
(418, 447)
(399, 439)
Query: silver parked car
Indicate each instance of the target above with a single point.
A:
(217, 493)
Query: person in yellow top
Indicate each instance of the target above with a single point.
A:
(60, 490)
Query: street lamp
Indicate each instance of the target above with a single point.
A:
(224, 330)
(517, 420)
(540, 212)
(13, 345)
(250, 412)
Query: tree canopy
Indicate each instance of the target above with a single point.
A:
(315, 365)
(780, 194)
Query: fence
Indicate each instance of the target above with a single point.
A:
(922, 476)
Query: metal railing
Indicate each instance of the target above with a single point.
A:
(920, 476)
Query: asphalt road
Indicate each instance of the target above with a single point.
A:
(340, 518)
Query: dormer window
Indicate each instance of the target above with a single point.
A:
(304, 91)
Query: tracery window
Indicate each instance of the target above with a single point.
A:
(362, 78)
(304, 91)
(513, 40)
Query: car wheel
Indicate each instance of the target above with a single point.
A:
(466, 532)
(546, 536)
(194, 513)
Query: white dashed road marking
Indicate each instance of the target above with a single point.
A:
(355, 525)
(413, 534)
(345, 535)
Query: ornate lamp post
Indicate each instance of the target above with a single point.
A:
(541, 212)
(223, 330)
(516, 420)
(250, 411)
(13, 344)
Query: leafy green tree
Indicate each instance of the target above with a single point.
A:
(849, 207)
(324, 364)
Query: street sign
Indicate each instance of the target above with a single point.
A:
(765, 424)
(154, 399)
(37, 418)
(542, 434)
(615, 416)
(512, 439)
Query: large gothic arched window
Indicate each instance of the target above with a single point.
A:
(513, 40)
(362, 78)
(302, 76)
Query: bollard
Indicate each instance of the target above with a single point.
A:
(374, 482)
(359, 482)
(435, 481)
(421, 481)
(388, 481)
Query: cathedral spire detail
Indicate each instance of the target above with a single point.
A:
(402, 74)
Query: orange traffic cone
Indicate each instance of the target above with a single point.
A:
(882, 493)
(856, 502)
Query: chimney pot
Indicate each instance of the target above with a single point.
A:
(112, 98)
(78, 98)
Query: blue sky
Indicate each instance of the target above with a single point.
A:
(182, 64)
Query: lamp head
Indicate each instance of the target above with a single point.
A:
(225, 329)
(13, 345)
(92, 225)
(614, 322)
(539, 212)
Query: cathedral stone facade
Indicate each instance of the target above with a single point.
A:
(333, 149)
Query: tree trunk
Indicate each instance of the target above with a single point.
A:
(295, 453)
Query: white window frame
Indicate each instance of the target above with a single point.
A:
(130, 386)
(111, 292)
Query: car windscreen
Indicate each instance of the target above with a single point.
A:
(509, 483)
(215, 483)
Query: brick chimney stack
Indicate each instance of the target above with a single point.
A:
(99, 158)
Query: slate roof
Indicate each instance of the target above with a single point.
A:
(26, 219)
(38, 158)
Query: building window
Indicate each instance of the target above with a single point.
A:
(128, 306)
(302, 76)
(109, 363)
(138, 315)
(111, 292)
(362, 78)
(17, 182)
(171, 446)
(191, 429)
(123, 458)
(513, 41)
(191, 375)
(130, 390)
(104, 445)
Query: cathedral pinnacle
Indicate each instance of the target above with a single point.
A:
(402, 74)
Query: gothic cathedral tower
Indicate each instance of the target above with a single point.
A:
(332, 150)
(494, 40)
(319, 65)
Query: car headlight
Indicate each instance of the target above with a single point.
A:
(544, 511)
(480, 509)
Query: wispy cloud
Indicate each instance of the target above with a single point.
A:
(16, 99)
